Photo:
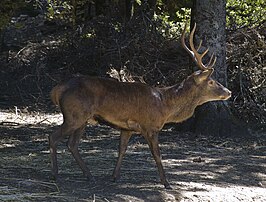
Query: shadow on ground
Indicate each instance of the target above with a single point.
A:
(208, 162)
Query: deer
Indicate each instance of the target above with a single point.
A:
(131, 107)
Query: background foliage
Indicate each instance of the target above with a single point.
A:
(248, 13)
(147, 47)
(8, 9)
(240, 13)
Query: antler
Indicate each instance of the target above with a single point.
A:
(197, 57)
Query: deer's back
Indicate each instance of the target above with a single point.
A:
(119, 103)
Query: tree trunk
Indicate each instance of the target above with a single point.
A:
(210, 18)
(213, 118)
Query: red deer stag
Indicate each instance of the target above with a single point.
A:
(131, 107)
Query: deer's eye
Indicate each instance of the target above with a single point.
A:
(211, 82)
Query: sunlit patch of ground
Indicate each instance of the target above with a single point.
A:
(16, 117)
(201, 169)
(212, 192)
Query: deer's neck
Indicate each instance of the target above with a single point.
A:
(181, 101)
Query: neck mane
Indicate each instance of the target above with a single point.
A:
(181, 100)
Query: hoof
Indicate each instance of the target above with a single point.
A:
(167, 186)
(54, 177)
(90, 178)
(115, 179)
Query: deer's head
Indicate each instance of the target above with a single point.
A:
(209, 89)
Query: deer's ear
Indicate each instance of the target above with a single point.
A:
(204, 75)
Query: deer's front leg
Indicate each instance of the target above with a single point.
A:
(124, 138)
(152, 139)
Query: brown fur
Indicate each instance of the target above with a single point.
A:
(131, 107)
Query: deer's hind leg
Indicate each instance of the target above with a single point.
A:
(72, 144)
(64, 130)
(54, 139)
(75, 116)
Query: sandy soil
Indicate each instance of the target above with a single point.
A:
(198, 169)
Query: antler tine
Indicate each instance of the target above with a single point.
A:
(191, 38)
(200, 43)
(203, 54)
(184, 43)
(196, 56)
(191, 52)
(210, 65)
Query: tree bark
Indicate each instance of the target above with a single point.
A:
(213, 118)
(210, 18)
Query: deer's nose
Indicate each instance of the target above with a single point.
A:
(229, 93)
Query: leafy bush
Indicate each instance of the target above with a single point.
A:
(8, 9)
(249, 13)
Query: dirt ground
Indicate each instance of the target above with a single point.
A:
(198, 168)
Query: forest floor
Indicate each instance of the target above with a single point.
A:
(198, 168)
